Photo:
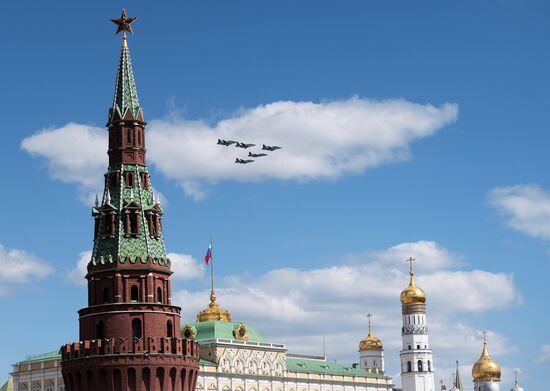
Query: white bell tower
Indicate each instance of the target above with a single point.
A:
(417, 368)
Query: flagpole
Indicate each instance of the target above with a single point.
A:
(212, 263)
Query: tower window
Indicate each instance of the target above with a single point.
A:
(169, 329)
(105, 295)
(420, 366)
(159, 295)
(144, 180)
(418, 346)
(136, 328)
(132, 222)
(409, 366)
(128, 135)
(134, 293)
(139, 137)
(409, 347)
(130, 179)
(429, 366)
(99, 330)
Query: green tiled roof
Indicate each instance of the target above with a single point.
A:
(44, 356)
(213, 329)
(125, 87)
(308, 365)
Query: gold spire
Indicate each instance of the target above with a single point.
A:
(412, 294)
(370, 342)
(486, 368)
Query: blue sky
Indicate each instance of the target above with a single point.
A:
(465, 186)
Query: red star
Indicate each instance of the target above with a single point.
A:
(123, 23)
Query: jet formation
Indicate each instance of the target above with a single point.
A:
(238, 144)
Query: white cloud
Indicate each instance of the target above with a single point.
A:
(299, 307)
(77, 274)
(18, 266)
(75, 153)
(526, 208)
(544, 355)
(320, 140)
(184, 266)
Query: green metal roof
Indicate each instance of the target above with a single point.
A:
(203, 362)
(308, 365)
(220, 329)
(44, 356)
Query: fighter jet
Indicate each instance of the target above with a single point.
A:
(226, 143)
(243, 161)
(244, 145)
(250, 154)
(268, 148)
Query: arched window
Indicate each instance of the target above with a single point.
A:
(409, 347)
(159, 295)
(139, 137)
(136, 328)
(128, 135)
(420, 367)
(418, 346)
(105, 295)
(99, 330)
(169, 329)
(134, 293)
(409, 366)
(429, 366)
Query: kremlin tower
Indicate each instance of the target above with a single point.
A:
(129, 332)
(417, 371)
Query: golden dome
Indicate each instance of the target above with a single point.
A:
(486, 368)
(214, 311)
(412, 294)
(370, 343)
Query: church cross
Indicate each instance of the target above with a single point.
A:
(410, 260)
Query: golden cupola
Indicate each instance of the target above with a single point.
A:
(213, 311)
(412, 294)
(370, 342)
(486, 368)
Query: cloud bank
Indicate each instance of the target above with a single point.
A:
(300, 307)
(525, 208)
(320, 140)
(18, 267)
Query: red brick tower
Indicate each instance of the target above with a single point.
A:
(129, 333)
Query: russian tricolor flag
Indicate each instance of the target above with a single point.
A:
(208, 255)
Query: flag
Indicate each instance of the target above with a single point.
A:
(208, 255)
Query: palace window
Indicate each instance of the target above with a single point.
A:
(136, 328)
(134, 293)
